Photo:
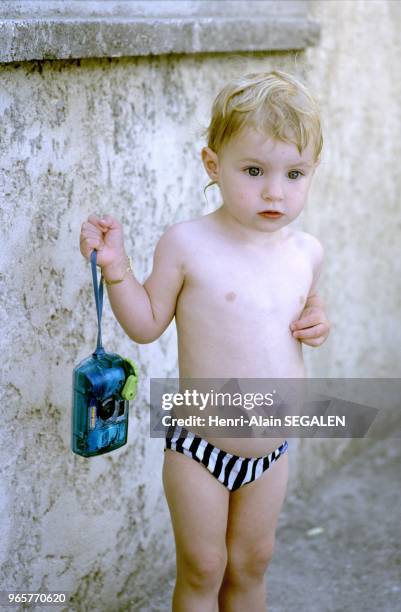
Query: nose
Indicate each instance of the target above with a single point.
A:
(273, 189)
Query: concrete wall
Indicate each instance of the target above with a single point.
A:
(50, 29)
(355, 207)
(124, 136)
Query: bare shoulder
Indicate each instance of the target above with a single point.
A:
(182, 234)
(309, 244)
(179, 241)
(185, 229)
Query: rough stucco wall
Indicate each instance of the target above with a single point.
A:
(120, 136)
(355, 207)
(124, 136)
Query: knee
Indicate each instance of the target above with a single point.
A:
(204, 570)
(250, 564)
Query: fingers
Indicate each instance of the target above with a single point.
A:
(93, 221)
(88, 243)
(311, 332)
(307, 321)
(91, 236)
(104, 223)
(313, 336)
(93, 232)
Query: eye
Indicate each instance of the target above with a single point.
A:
(292, 172)
(254, 171)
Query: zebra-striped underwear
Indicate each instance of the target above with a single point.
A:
(231, 470)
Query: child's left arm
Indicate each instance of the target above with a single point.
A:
(312, 327)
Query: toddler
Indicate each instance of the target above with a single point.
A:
(242, 286)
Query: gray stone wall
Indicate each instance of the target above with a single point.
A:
(50, 29)
(124, 135)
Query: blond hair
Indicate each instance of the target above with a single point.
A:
(275, 103)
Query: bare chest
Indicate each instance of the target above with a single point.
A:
(238, 285)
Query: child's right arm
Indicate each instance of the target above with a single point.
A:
(143, 311)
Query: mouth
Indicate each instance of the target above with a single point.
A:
(271, 214)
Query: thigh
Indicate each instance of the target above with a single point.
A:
(198, 506)
(254, 510)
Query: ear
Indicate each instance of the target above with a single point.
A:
(211, 163)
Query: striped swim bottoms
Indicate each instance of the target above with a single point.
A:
(231, 470)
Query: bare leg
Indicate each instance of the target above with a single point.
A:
(198, 506)
(252, 520)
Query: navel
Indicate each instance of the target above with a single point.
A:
(230, 297)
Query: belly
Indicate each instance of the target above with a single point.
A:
(218, 351)
(265, 352)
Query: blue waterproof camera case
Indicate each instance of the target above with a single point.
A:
(103, 385)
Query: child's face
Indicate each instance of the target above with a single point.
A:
(260, 176)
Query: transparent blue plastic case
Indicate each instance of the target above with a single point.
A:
(103, 384)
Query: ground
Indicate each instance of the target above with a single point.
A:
(353, 563)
